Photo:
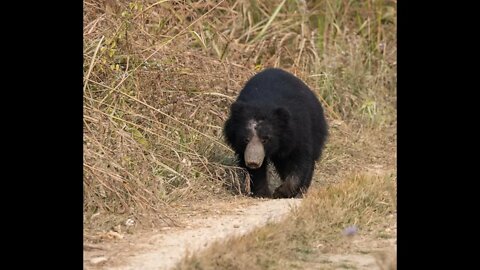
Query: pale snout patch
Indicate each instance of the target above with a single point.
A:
(254, 152)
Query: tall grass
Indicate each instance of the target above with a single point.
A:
(160, 75)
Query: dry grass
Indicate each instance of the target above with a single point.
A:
(160, 75)
(366, 201)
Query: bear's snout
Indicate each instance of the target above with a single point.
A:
(254, 153)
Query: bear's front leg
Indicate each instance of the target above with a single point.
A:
(296, 180)
(259, 183)
(289, 188)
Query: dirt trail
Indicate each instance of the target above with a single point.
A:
(164, 249)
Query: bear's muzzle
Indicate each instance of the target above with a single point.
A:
(254, 153)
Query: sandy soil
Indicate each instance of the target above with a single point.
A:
(162, 249)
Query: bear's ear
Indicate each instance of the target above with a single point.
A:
(282, 114)
(237, 108)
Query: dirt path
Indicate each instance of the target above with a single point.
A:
(163, 249)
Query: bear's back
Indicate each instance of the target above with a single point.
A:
(274, 85)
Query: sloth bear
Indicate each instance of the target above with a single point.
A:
(277, 118)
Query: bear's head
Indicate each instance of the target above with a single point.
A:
(259, 132)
